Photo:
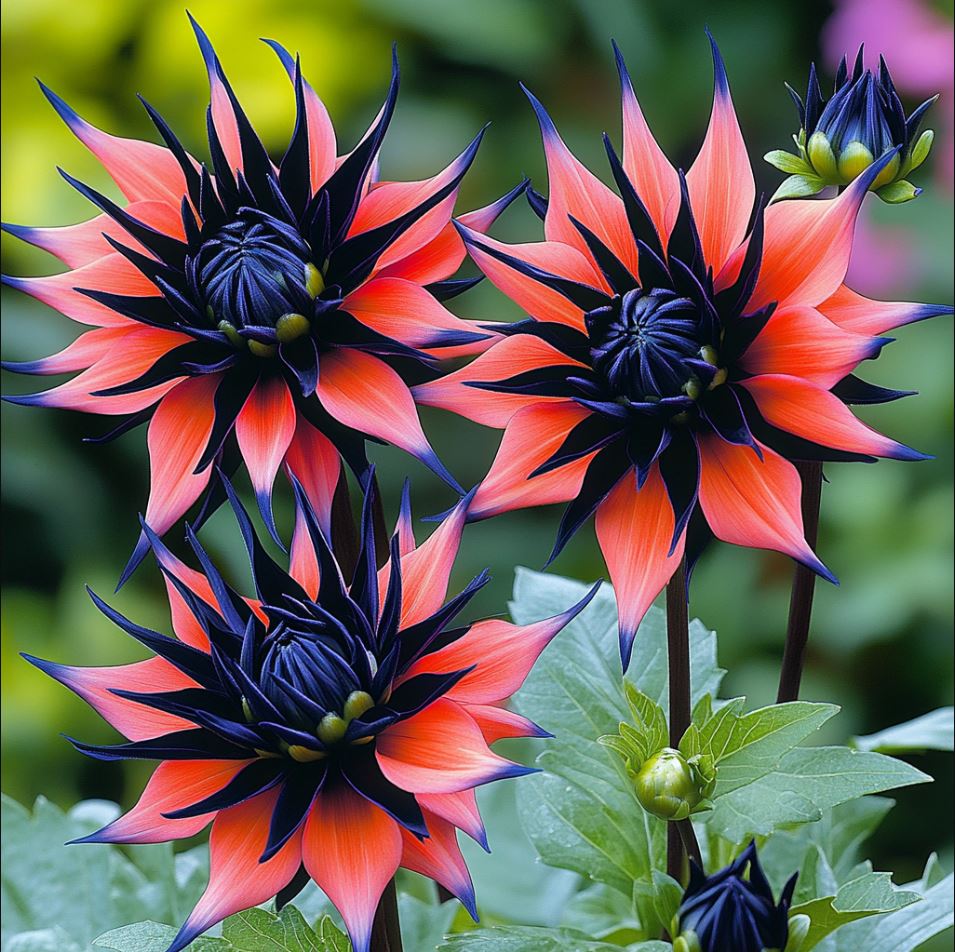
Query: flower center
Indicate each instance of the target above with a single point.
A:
(310, 667)
(643, 343)
(255, 272)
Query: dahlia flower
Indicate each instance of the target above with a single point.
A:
(681, 350)
(327, 728)
(255, 312)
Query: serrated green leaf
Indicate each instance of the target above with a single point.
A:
(839, 835)
(787, 162)
(649, 716)
(798, 186)
(85, 889)
(901, 931)
(151, 936)
(531, 939)
(808, 781)
(934, 731)
(870, 895)
(748, 746)
(581, 813)
(258, 930)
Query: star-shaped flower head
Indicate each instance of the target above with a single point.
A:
(327, 728)
(682, 349)
(256, 312)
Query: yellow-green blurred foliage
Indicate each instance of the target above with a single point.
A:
(882, 643)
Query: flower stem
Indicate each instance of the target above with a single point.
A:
(386, 929)
(804, 584)
(678, 664)
(344, 532)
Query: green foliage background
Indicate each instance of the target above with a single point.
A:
(882, 643)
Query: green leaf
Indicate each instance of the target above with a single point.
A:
(747, 747)
(423, 924)
(255, 930)
(934, 731)
(868, 895)
(808, 781)
(530, 939)
(151, 936)
(787, 162)
(603, 913)
(510, 883)
(798, 186)
(42, 940)
(581, 813)
(85, 889)
(904, 930)
(838, 835)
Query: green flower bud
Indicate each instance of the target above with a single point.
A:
(667, 786)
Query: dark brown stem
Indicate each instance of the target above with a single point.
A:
(444, 895)
(378, 520)
(690, 843)
(678, 662)
(804, 584)
(386, 929)
(344, 529)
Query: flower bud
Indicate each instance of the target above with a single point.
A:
(733, 910)
(840, 137)
(668, 786)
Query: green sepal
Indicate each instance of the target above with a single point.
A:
(798, 186)
(919, 153)
(897, 193)
(789, 163)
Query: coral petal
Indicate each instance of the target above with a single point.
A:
(506, 358)
(440, 750)
(178, 434)
(753, 502)
(532, 437)
(635, 531)
(351, 848)
(237, 880)
(801, 342)
(808, 411)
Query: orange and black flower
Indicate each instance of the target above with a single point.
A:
(327, 728)
(256, 312)
(684, 345)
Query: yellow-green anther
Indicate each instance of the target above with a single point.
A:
(357, 703)
(266, 753)
(719, 378)
(230, 332)
(854, 159)
(710, 355)
(667, 786)
(305, 755)
(314, 282)
(822, 157)
(247, 711)
(290, 327)
(262, 350)
(331, 729)
(693, 389)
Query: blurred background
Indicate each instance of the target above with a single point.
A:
(881, 644)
